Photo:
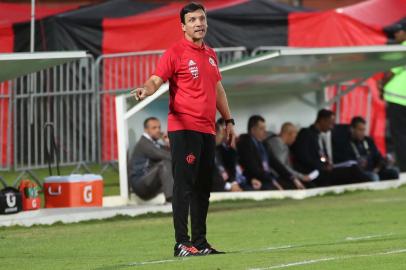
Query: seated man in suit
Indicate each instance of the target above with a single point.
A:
(226, 176)
(279, 145)
(260, 166)
(310, 155)
(363, 149)
(150, 169)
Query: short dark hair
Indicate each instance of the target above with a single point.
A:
(357, 120)
(191, 7)
(324, 114)
(391, 30)
(253, 121)
(146, 121)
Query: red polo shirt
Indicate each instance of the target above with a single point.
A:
(193, 73)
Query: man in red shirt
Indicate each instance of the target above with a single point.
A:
(191, 68)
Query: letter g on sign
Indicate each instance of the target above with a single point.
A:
(87, 194)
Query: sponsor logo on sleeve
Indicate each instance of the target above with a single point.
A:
(212, 62)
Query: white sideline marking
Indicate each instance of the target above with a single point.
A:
(289, 246)
(268, 248)
(394, 252)
(281, 247)
(390, 252)
(350, 238)
(156, 262)
(296, 263)
(285, 247)
(385, 200)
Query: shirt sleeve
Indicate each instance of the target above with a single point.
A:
(219, 77)
(166, 66)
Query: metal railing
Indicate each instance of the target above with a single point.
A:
(229, 55)
(63, 95)
(357, 103)
(5, 126)
(267, 49)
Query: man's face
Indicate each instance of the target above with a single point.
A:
(292, 134)
(195, 26)
(359, 131)
(327, 124)
(259, 131)
(400, 36)
(153, 129)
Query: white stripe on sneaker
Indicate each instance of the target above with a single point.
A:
(205, 251)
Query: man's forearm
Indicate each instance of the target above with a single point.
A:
(222, 104)
(151, 87)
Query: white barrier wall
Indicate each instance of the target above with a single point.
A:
(275, 108)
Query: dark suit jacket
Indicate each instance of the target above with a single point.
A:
(343, 151)
(219, 182)
(370, 153)
(250, 161)
(306, 151)
(228, 157)
(340, 136)
(145, 155)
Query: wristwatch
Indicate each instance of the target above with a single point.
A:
(229, 121)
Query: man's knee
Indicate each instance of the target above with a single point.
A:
(164, 165)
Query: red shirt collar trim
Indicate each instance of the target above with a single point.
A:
(192, 45)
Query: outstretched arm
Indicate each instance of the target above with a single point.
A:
(150, 87)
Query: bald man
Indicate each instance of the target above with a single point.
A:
(279, 145)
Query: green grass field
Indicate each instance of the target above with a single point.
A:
(361, 230)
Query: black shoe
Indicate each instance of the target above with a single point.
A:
(209, 250)
(182, 250)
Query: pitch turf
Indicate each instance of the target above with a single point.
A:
(362, 230)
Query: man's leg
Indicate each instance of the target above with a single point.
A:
(148, 186)
(201, 192)
(286, 184)
(374, 177)
(397, 123)
(323, 180)
(185, 151)
(348, 175)
(166, 178)
(270, 185)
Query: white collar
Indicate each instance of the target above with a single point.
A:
(146, 135)
(156, 143)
